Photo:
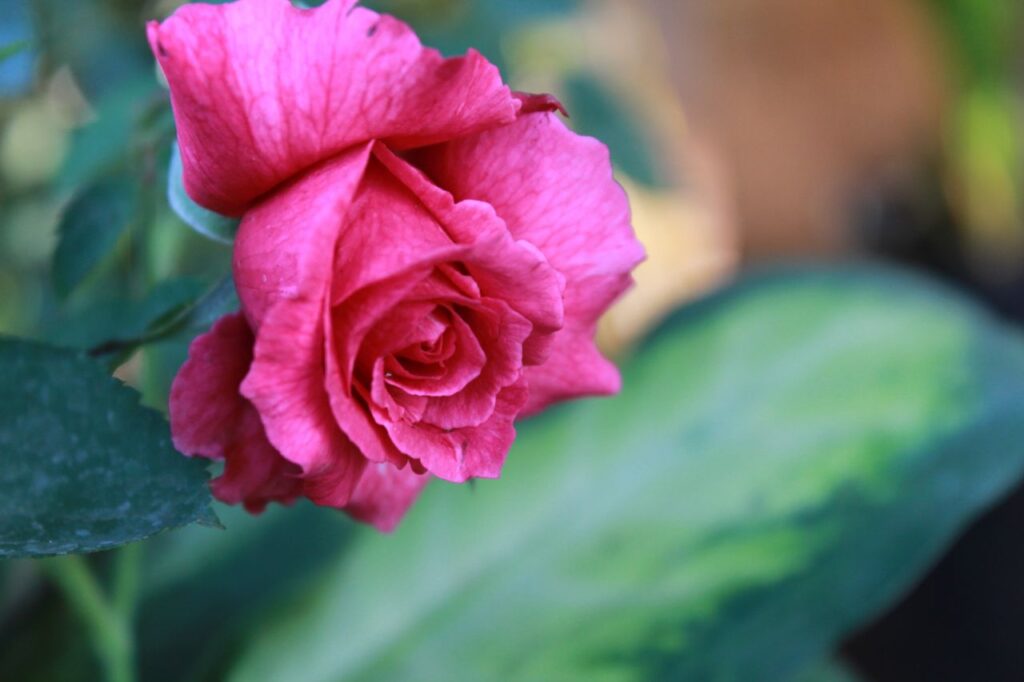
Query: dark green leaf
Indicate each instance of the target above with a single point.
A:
(784, 461)
(90, 228)
(109, 313)
(194, 317)
(205, 222)
(218, 301)
(107, 142)
(101, 45)
(11, 49)
(82, 466)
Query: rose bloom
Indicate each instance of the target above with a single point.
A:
(422, 258)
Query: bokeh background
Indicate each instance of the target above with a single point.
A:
(748, 134)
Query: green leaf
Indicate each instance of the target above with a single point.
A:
(82, 466)
(216, 302)
(110, 139)
(9, 50)
(199, 594)
(983, 36)
(204, 221)
(90, 228)
(827, 671)
(784, 461)
(192, 318)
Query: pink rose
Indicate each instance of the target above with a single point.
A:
(422, 259)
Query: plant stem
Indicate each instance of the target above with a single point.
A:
(125, 589)
(109, 630)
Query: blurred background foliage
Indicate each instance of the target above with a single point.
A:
(789, 457)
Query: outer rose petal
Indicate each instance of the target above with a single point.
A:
(254, 473)
(384, 494)
(262, 89)
(205, 405)
(284, 250)
(283, 262)
(554, 189)
(210, 417)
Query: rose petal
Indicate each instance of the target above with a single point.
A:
(531, 103)
(254, 473)
(398, 404)
(576, 368)
(205, 405)
(513, 271)
(404, 326)
(435, 346)
(363, 312)
(261, 90)
(390, 245)
(335, 485)
(283, 269)
(459, 276)
(408, 323)
(461, 454)
(554, 189)
(286, 385)
(501, 332)
(387, 232)
(210, 417)
(464, 364)
(348, 403)
(284, 250)
(384, 494)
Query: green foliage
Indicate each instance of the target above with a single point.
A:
(217, 301)
(82, 466)
(830, 671)
(115, 316)
(90, 227)
(189, 318)
(205, 588)
(785, 459)
(207, 223)
(984, 140)
(983, 33)
(109, 142)
(596, 112)
(11, 49)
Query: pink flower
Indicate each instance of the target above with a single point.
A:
(422, 259)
